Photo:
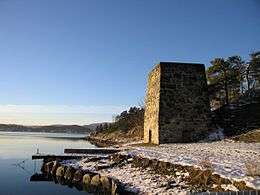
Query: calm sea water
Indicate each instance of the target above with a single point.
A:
(16, 166)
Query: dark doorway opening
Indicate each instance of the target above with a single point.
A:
(150, 136)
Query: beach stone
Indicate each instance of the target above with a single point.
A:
(117, 158)
(43, 168)
(104, 166)
(218, 188)
(60, 171)
(217, 179)
(114, 187)
(49, 166)
(241, 185)
(46, 167)
(145, 162)
(105, 183)
(55, 166)
(201, 177)
(69, 173)
(60, 180)
(206, 176)
(153, 163)
(54, 178)
(138, 162)
(86, 182)
(78, 176)
(95, 181)
(48, 160)
(225, 181)
(162, 165)
(163, 168)
(130, 160)
(135, 162)
(86, 179)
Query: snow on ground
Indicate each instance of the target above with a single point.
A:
(228, 159)
(130, 143)
(145, 182)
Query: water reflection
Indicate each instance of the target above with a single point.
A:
(16, 166)
(23, 145)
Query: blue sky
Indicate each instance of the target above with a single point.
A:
(59, 55)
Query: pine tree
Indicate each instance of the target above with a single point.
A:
(223, 74)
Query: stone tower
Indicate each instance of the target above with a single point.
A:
(177, 103)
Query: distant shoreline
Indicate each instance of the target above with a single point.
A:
(58, 132)
(56, 136)
(70, 129)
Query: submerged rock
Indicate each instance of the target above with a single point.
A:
(78, 176)
(46, 167)
(114, 185)
(95, 181)
(86, 179)
(78, 186)
(55, 166)
(69, 173)
(105, 184)
(61, 180)
(86, 182)
(60, 171)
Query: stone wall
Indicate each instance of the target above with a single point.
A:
(151, 115)
(177, 103)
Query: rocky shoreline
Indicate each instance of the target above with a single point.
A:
(90, 181)
(105, 175)
(101, 140)
(147, 170)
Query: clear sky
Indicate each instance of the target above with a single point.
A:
(77, 62)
